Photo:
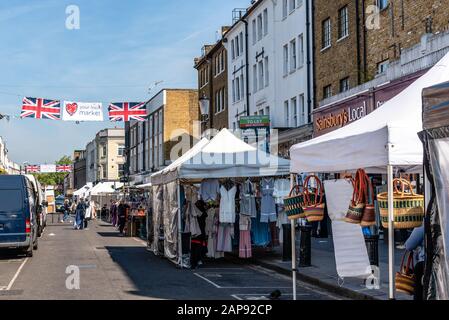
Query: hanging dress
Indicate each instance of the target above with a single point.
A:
(268, 204)
(248, 200)
(227, 204)
(245, 251)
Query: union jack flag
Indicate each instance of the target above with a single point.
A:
(33, 169)
(127, 111)
(39, 108)
(63, 168)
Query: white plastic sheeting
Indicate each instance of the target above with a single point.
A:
(338, 197)
(351, 255)
(364, 143)
(170, 219)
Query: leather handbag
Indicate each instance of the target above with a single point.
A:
(313, 199)
(405, 278)
(293, 203)
(369, 213)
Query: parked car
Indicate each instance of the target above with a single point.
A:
(18, 214)
(42, 216)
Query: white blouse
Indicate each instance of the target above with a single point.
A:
(227, 205)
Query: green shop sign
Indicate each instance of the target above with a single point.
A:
(254, 122)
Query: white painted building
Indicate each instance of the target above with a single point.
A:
(6, 165)
(280, 82)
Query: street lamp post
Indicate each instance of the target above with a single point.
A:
(204, 102)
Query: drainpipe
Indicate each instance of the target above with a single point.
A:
(365, 66)
(357, 13)
(309, 62)
(247, 65)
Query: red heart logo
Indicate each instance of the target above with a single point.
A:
(71, 108)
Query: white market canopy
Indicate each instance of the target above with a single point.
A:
(225, 156)
(82, 191)
(104, 187)
(365, 143)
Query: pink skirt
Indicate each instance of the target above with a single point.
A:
(245, 244)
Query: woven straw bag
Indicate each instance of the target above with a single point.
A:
(293, 204)
(408, 206)
(405, 278)
(313, 200)
(357, 205)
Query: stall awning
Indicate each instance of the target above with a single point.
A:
(364, 143)
(104, 187)
(225, 156)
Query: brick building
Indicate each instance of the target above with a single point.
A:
(213, 84)
(357, 40)
(172, 114)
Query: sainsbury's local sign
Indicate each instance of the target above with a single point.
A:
(340, 118)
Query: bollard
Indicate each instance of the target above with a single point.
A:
(287, 242)
(372, 245)
(305, 247)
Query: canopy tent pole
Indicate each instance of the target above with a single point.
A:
(293, 227)
(391, 234)
(179, 223)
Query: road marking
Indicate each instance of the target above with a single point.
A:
(209, 281)
(3, 288)
(16, 275)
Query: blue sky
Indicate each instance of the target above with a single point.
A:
(121, 49)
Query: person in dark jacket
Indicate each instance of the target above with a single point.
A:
(122, 212)
(80, 214)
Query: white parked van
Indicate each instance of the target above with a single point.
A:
(41, 201)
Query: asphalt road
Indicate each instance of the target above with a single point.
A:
(115, 268)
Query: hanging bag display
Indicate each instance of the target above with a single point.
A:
(293, 203)
(369, 213)
(408, 207)
(405, 278)
(357, 205)
(313, 200)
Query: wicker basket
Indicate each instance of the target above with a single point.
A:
(293, 204)
(408, 206)
(313, 200)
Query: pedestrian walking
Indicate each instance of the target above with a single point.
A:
(114, 217)
(66, 210)
(122, 213)
(80, 215)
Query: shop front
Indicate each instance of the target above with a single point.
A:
(345, 111)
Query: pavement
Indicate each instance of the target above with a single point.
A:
(323, 272)
(110, 267)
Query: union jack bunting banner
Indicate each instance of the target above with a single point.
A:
(127, 111)
(39, 108)
(64, 168)
(33, 169)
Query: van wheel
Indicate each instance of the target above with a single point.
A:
(29, 252)
(36, 245)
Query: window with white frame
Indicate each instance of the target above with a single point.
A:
(241, 43)
(261, 75)
(233, 49)
(287, 113)
(237, 88)
(344, 84)
(267, 76)
(255, 78)
(267, 111)
(242, 87)
(237, 46)
(233, 92)
(259, 27)
(301, 50)
(284, 8)
(293, 58)
(291, 5)
(326, 33)
(121, 150)
(302, 111)
(327, 92)
(254, 31)
(286, 60)
(265, 22)
(343, 22)
(294, 107)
